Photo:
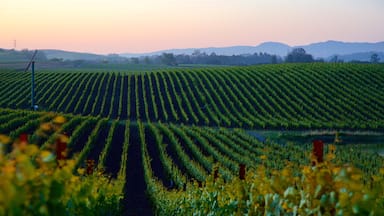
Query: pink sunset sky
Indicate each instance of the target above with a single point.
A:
(119, 26)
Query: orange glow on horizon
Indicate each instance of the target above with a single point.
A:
(118, 26)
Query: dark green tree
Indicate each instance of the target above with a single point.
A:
(135, 60)
(375, 58)
(147, 60)
(168, 59)
(298, 55)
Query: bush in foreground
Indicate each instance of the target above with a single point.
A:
(322, 189)
(34, 181)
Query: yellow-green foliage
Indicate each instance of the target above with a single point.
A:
(324, 189)
(32, 182)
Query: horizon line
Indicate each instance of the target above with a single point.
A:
(186, 48)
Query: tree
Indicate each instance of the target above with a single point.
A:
(147, 60)
(299, 55)
(274, 59)
(196, 53)
(335, 59)
(168, 59)
(375, 58)
(135, 60)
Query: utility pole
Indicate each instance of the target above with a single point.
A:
(34, 107)
(32, 62)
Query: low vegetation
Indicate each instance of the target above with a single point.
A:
(178, 137)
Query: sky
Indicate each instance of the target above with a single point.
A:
(126, 26)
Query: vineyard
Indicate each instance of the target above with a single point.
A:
(178, 138)
(273, 96)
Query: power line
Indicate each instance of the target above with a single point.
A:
(30, 62)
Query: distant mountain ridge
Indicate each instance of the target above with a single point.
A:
(364, 57)
(347, 51)
(275, 48)
(330, 48)
(324, 50)
(68, 55)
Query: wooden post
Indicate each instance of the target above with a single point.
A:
(242, 171)
(90, 166)
(215, 174)
(61, 148)
(23, 138)
(22, 143)
(200, 183)
(318, 149)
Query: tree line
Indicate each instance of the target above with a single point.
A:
(297, 55)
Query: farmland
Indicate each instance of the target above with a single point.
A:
(277, 96)
(165, 132)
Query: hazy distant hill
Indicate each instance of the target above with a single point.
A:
(268, 47)
(365, 57)
(10, 55)
(67, 55)
(330, 48)
(346, 51)
(318, 50)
